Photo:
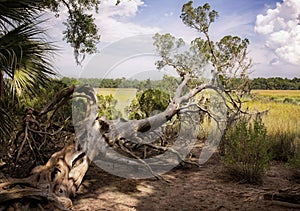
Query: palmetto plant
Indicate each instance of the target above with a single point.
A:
(24, 54)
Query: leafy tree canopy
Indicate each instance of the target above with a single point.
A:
(228, 56)
(81, 32)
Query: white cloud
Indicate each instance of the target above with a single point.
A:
(267, 64)
(114, 21)
(168, 14)
(281, 30)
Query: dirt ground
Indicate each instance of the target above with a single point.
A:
(189, 188)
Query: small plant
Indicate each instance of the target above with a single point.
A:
(246, 150)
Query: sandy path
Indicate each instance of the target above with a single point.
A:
(192, 188)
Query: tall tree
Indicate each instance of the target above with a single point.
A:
(228, 55)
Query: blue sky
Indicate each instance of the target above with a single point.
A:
(273, 28)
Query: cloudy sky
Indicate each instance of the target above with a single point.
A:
(272, 26)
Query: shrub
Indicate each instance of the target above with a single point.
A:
(148, 103)
(107, 107)
(246, 150)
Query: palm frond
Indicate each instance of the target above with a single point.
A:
(12, 11)
(25, 57)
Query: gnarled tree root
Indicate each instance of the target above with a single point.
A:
(54, 182)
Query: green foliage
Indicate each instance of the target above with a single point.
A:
(81, 31)
(24, 53)
(167, 83)
(228, 55)
(199, 18)
(78, 25)
(175, 54)
(45, 94)
(12, 113)
(107, 107)
(24, 57)
(148, 103)
(246, 150)
(16, 11)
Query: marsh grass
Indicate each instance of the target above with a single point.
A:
(280, 96)
(282, 120)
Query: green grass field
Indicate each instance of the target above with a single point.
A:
(286, 93)
(290, 96)
(283, 111)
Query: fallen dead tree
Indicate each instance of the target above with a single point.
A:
(60, 177)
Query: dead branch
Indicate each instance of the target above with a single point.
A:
(288, 197)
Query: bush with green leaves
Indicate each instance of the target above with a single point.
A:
(148, 103)
(107, 107)
(246, 150)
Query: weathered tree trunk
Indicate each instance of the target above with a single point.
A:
(115, 130)
(56, 181)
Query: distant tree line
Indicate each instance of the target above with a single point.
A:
(168, 82)
(276, 83)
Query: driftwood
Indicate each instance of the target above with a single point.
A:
(56, 181)
(289, 198)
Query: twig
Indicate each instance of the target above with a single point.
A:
(143, 162)
(23, 142)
